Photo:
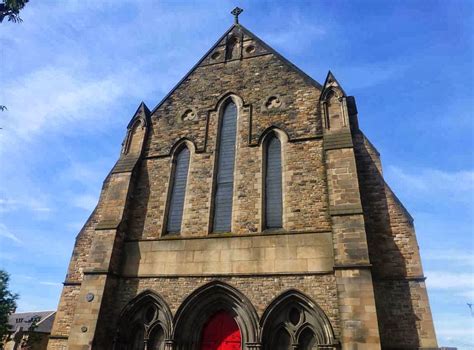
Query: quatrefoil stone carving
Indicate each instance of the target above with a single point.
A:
(189, 115)
(273, 102)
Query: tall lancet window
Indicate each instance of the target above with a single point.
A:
(273, 183)
(225, 170)
(179, 180)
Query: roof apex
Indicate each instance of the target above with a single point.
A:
(142, 111)
(330, 82)
(254, 37)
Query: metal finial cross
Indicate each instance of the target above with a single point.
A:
(236, 12)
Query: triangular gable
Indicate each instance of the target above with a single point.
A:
(142, 112)
(331, 83)
(218, 54)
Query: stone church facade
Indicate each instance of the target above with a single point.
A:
(246, 211)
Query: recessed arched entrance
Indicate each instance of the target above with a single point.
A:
(200, 308)
(221, 332)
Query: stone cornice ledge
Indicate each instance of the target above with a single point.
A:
(340, 210)
(110, 224)
(228, 235)
(71, 283)
(100, 272)
(230, 274)
(61, 337)
(351, 266)
(420, 278)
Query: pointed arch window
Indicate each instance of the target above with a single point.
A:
(273, 183)
(293, 321)
(225, 170)
(144, 324)
(156, 339)
(178, 191)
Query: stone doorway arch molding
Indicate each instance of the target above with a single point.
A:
(204, 302)
(296, 314)
(149, 311)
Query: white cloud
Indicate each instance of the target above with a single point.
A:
(5, 233)
(450, 280)
(295, 35)
(57, 98)
(449, 257)
(358, 77)
(432, 179)
(454, 329)
(30, 203)
(469, 295)
(53, 284)
(457, 186)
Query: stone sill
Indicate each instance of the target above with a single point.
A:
(228, 235)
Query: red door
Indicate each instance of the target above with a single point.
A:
(221, 332)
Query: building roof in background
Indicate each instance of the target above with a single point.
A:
(43, 319)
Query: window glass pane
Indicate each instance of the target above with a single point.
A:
(273, 184)
(308, 340)
(225, 170)
(138, 339)
(282, 340)
(180, 177)
(156, 340)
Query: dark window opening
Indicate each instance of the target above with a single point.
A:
(225, 170)
(178, 192)
(273, 184)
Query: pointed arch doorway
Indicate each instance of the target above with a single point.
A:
(221, 332)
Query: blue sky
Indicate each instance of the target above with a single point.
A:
(74, 72)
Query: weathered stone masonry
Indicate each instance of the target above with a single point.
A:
(346, 256)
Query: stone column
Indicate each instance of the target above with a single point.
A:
(169, 344)
(253, 346)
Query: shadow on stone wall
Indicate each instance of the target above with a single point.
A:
(397, 319)
(139, 205)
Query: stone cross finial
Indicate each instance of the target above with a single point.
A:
(236, 12)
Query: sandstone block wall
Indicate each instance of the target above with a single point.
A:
(402, 301)
(272, 254)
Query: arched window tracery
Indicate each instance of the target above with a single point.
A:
(226, 148)
(145, 324)
(293, 321)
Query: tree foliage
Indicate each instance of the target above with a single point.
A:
(11, 9)
(7, 304)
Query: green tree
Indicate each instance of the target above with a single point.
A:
(7, 304)
(11, 10)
